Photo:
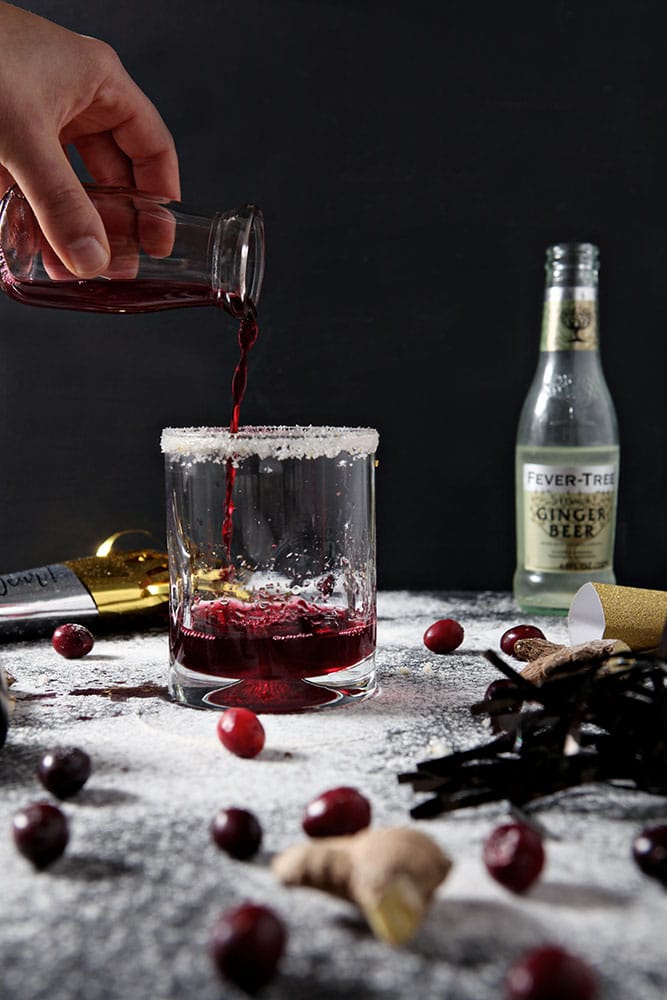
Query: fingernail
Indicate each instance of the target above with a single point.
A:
(87, 256)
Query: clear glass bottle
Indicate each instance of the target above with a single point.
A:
(163, 256)
(567, 453)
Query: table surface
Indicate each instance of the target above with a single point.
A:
(127, 911)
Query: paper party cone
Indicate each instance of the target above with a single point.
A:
(605, 611)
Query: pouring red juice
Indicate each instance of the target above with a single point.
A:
(269, 639)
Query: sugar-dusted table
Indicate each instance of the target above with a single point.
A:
(127, 911)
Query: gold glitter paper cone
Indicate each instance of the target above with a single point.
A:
(605, 611)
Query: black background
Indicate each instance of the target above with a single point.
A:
(413, 161)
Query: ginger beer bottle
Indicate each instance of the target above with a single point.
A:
(567, 454)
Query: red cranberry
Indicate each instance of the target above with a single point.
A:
(241, 732)
(650, 852)
(247, 944)
(326, 585)
(512, 635)
(443, 636)
(550, 973)
(237, 832)
(72, 641)
(514, 856)
(40, 833)
(64, 770)
(337, 812)
(503, 690)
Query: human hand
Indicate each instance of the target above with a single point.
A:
(59, 88)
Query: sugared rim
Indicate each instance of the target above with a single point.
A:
(198, 444)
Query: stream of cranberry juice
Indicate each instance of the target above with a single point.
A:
(248, 331)
(286, 640)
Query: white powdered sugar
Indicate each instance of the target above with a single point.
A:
(128, 910)
(217, 444)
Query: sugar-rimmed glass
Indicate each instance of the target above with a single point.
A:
(271, 538)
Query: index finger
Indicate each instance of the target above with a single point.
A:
(144, 137)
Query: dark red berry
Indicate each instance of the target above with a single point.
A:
(337, 812)
(504, 689)
(241, 732)
(40, 833)
(443, 636)
(514, 856)
(237, 832)
(550, 973)
(326, 585)
(72, 641)
(512, 635)
(506, 692)
(650, 852)
(247, 944)
(64, 770)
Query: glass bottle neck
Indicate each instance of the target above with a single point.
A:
(570, 318)
(572, 265)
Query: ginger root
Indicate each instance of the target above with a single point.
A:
(533, 648)
(391, 874)
(567, 659)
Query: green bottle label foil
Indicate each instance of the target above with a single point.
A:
(570, 320)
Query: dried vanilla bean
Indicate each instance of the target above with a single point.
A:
(598, 720)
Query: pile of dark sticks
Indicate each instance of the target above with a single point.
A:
(599, 722)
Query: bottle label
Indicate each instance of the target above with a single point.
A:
(569, 517)
(569, 320)
(45, 592)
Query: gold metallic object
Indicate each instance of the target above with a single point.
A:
(121, 581)
(111, 587)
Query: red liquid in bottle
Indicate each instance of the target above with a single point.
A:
(116, 296)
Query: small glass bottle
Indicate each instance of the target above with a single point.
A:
(163, 256)
(567, 453)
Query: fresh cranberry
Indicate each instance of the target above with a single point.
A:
(72, 641)
(512, 636)
(514, 856)
(650, 852)
(64, 770)
(443, 636)
(40, 833)
(326, 585)
(237, 832)
(337, 812)
(247, 944)
(241, 732)
(506, 690)
(550, 973)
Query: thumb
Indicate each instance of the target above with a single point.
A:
(65, 213)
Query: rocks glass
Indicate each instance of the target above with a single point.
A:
(271, 539)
